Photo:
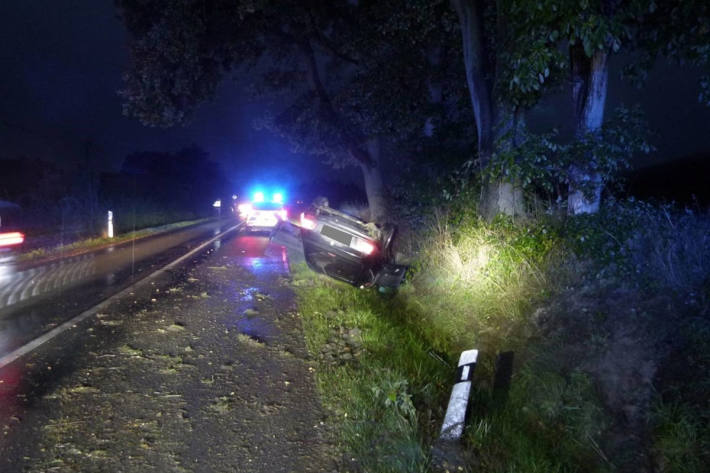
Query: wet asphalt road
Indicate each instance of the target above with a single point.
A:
(202, 369)
(37, 296)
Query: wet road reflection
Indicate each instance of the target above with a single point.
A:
(36, 297)
(265, 261)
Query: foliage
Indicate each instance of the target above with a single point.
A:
(675, 29)
(682, 438)
(655, 246)
(549, 423)
(540, 162)
(475, 286)
(680, 415)
(334, 73)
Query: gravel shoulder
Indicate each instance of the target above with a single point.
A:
(205, 370)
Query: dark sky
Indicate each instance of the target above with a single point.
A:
(61, 63)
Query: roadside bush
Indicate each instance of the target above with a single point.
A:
(652, 246)
(544, 288)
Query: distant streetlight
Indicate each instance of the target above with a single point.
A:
(217, 204)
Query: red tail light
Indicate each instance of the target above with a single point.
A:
(11, 239)
(363, 246)
(308, 222)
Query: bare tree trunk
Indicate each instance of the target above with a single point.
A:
(589, 87)
(496, 197)
(505, 196)
(475, 63)
(374, 185)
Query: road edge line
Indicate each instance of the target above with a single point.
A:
(44, 338)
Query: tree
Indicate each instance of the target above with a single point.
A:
(594, 30)
(506, 68)
(591, 31)
(331, 63)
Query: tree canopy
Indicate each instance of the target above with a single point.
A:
(373, 83)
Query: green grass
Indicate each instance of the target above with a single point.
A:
(472, 288)
(479, 285)
(388, 400)
(682, 437)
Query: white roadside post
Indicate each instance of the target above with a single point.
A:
(109, 229)
(455, 418)
(447, 454)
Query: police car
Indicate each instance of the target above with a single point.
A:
(262, 214)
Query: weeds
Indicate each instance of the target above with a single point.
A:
(682, 438)
(474, 284)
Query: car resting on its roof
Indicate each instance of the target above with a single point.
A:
(349, 249)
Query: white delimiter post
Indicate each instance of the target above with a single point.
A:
(455, 418)
(109, 230)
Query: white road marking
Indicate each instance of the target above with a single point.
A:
(42, 339)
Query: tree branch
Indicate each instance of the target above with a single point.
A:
(324, 41)
(327, 108)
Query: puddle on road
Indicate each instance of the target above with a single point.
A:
(265, 261)
(249, 294)
(256, 328)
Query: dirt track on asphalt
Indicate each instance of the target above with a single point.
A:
(206, 370)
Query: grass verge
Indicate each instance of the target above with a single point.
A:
(473, 287)
(594, 309)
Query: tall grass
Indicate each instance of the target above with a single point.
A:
(474, 284)
(474, 287)
(386, 402)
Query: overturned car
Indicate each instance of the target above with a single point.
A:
(349, 249)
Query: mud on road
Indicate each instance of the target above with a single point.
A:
(205, 370)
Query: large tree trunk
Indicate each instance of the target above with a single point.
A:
(589, 86)
(505, 196)
(496, 197)
(374, 185)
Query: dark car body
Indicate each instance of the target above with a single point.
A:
(349, 249)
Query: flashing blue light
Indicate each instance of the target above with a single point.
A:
(258, 197)
(277, 198)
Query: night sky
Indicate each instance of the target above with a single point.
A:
(61, 67)
(62, 63)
